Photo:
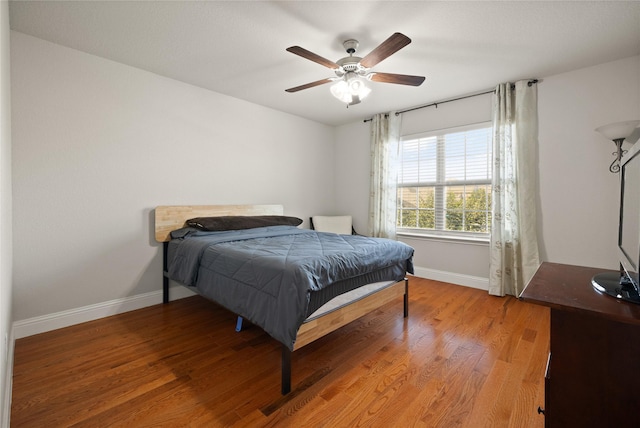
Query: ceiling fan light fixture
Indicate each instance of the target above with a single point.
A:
(350, 87)
(340, 90)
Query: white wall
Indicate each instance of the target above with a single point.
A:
(578, 195)
(6, 317)
(97, 145)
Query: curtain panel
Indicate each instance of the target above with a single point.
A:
(514, 255)
(385, 137)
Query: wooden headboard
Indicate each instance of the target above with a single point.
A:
(172, 217)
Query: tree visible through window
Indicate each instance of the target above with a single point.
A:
(444, 183)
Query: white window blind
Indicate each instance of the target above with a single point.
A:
(444, 184)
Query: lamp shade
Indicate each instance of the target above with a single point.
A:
(618, 130)
(340, 90)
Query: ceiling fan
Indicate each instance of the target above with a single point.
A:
(352, 71)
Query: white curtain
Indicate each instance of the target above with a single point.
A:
(514, 256)
(385, 136)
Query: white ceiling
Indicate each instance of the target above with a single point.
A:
(238, 47)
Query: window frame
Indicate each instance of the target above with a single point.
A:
(440, 184)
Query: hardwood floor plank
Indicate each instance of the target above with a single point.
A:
(461, 358)
(453, 402)
(482, 412)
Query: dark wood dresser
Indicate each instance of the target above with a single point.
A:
(593, 374)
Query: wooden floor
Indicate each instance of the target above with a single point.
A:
(461, 359)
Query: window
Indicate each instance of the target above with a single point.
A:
(444, 182)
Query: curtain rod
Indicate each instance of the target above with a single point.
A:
(529, 83)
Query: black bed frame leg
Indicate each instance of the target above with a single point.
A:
(165, 290)
(286, 370)
(406, 297)
(165, 278)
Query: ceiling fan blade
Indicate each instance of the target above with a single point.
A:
(387, 48)
(309, 85)
(400, 79)
(313, 57)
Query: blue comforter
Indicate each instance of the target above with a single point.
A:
(267, 274)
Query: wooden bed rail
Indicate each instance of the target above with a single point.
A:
(332, 321)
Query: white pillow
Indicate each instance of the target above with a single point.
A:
(335, 224)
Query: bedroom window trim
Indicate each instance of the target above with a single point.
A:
(417, 173)
(449, 238)
(436, 235)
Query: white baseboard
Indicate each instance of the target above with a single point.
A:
(45, 323)
(57, 320)
(453, 278)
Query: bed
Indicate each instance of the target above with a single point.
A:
(296, 284)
